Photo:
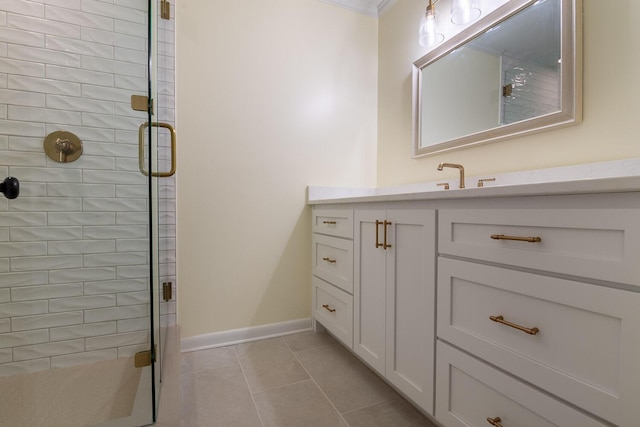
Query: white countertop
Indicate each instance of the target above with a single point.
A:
(605, 177)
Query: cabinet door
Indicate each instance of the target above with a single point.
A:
(369, 290)
(410, 304)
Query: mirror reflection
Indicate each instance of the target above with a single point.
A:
(507, 77)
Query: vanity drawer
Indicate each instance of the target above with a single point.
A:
(333, 261)
(333, 308)
(586, 347)
(337, 223)
(597, 243)
(470, 391)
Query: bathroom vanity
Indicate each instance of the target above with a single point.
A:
(503, 305)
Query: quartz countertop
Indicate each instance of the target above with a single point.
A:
(605, 177)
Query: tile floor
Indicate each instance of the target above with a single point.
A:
(301, 380)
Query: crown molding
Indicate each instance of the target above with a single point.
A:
(366, 7)
(385, 5)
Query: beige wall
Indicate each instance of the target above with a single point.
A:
(271, 97)
(275, 96)
(611, 94)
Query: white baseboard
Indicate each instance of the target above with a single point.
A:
(238, 336)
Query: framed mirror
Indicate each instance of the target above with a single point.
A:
(513, 72)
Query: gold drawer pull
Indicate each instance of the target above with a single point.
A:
(500, 319)
(494, 421)
(329, 222)
(519, 239)
(326, 307)
(332, 261)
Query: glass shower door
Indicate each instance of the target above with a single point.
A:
(79, 245)
(161, 162)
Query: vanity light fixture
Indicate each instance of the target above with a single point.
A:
(465, 11)
(427, 35)
(462, 12)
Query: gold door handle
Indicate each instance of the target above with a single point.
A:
(500, 319)
(519, 239)
(385, 245)
(326, 307)
(141, 149)
(329, 222)
(494, 421)
(329, 260)
(378, 223)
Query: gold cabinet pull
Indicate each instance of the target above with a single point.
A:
(385, 245)
(329, 222)
(378, 223)
(329, 260)
(172, 131)
(500, 319)
(494, 421)
(519, 239)
(329, 309)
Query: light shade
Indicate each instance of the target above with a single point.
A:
(427, 34)
(465, 11)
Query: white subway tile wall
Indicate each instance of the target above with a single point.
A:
(74, 258)
(536, 90)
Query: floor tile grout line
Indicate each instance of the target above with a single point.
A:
(244, 375)
(282, 386)
(312, 348)
(398, 396)
(374, 404)
(318, 385)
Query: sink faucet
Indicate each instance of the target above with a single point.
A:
(454, 165)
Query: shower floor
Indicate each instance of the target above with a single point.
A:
(80, 396)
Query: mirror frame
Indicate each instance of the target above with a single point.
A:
(570, 70)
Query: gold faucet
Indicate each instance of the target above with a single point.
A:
(454, 165)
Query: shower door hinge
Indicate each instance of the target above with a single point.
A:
(165, 9)
(507, 90)
(167, 292)
(141, 103)
(144, 358)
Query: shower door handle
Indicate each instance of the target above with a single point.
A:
(141, 149)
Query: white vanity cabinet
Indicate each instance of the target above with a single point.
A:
(394, 295)
(332, 268)
(506, 310)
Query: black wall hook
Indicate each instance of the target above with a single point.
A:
(10, 187)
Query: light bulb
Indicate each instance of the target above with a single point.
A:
(465, 11)
(427, 35)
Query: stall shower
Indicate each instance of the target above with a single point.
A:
(88, 242)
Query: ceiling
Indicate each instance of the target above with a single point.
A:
(366, 7)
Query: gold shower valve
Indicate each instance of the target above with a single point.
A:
(62, 146)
